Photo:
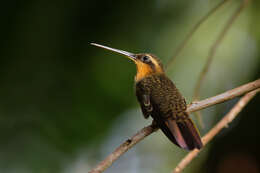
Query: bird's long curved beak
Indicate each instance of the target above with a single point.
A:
(122, 52)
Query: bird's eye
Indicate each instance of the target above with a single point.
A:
(145, 59)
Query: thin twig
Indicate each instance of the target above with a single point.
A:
(191, 108)
(129, 143)
(229, 117)
(193, 30)
(213, 51)
(230, 94)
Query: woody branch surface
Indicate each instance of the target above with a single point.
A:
(146, 131)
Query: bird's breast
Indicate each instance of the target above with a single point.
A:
(163, 94)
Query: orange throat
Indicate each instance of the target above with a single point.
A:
(144, 70)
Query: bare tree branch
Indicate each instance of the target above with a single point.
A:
(191, 108)
(212, 52)
(229, 117)
(129, 143)
(230, 94)
(193, 30)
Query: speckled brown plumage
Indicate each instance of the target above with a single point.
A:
(163, 93)
(160, 98)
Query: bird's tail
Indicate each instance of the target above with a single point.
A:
(183, 133)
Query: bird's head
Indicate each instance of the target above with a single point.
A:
(147, 64)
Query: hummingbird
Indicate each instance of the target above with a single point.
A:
(160, 99)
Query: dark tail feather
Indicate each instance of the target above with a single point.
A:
(166, 130)
(185, 133)
(182, 133)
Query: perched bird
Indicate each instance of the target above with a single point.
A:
(160, 99)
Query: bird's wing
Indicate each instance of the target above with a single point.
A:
(146, 106)
(143, 97)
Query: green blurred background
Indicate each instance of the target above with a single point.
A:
(65, 105)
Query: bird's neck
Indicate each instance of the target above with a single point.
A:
(144, 70)
(144, 73)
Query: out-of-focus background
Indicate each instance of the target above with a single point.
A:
(65, 105)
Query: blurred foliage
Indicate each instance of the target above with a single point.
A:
(59, 95)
